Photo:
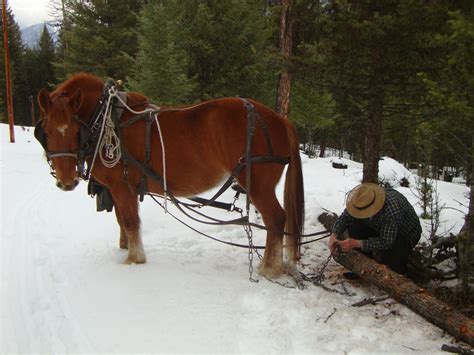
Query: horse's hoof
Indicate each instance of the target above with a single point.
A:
(131, 260)
(271, 272)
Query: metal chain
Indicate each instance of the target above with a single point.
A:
(249, 232)
(318, 279)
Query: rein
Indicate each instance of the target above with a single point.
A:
(326, 234)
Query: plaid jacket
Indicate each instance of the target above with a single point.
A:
(396, 218)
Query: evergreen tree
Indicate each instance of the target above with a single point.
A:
(47, 56)
(315, 114)
(102, 38)
(368, 54)
(161, 68)
(19, 85)
(228, 44)
(452, 89)
(39, 66)
(61, 10)
(33, 75)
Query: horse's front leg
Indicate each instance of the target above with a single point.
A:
(123, 243)
(126, 204)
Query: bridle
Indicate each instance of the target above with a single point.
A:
(88, 138)
(78, 154)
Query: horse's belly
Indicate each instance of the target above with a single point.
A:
(192, 182)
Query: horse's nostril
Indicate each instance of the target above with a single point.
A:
(76, 182)
(58, 184)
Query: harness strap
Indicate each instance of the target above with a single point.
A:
(266, 135)
(248, 149)
(216, 204)
(61, 154)
(134, 119)
(143, 183)
(119, 106)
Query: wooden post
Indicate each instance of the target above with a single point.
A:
(33, 118)
(7, 72)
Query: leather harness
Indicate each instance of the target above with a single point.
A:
(90, 136)
(246, 159)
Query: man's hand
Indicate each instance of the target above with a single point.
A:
(349, 244)
(333, 242)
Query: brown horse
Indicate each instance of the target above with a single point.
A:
(202, 145)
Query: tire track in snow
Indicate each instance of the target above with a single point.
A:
(36, 314)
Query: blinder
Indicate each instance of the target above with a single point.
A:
(40, 135)
(84, 140)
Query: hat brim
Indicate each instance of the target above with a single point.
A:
(374, 207)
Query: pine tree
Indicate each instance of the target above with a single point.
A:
(228, 44)
(61, 12)
(19, 85)
(368, 54)
(452, 89)
(102, 38)
(161, 68)
(47, 56)
(39, 66)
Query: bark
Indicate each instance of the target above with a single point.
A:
(373, 122)
(323, 147)
(372, 143)
(406, 292)
(465, 240)
(284, 81)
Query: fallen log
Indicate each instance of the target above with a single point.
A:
(405, 291)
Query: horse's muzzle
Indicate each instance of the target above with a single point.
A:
(68, 187)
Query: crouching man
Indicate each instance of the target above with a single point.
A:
(381, 223)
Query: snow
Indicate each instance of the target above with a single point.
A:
(64, 289)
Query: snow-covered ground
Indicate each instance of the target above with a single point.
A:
(63, 288)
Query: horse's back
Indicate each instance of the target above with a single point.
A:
(204, 142)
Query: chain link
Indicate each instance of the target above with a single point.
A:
(249, 232)
(318, 278)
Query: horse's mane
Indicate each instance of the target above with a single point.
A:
(83, 80)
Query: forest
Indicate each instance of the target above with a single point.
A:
(369, 78)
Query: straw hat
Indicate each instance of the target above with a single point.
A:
(365, 200)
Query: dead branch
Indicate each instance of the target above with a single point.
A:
(371, 300)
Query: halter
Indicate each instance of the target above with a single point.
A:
(88, 138)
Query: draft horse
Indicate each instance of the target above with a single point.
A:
(202, 145)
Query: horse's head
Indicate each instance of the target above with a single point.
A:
(59, 133)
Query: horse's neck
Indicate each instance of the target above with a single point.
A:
(89, 103)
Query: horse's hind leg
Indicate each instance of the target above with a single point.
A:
(123, 243)
(126, 204)
(273, 216)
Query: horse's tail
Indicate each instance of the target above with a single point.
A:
(294, 197)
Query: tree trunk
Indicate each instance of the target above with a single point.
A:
(323, 146)
(406, 292)
(284, 81)
(465, 240)
(373, 122)
(372, 142)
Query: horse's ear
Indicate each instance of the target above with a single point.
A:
(44, 101)
(75, 101)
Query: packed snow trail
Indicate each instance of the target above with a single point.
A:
(64, 289)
